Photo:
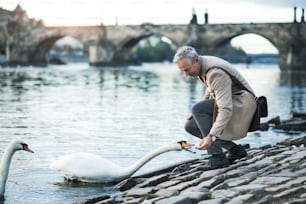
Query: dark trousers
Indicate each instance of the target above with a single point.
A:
(201, 123)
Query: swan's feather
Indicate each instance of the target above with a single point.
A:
(92, 168)
(87, 167)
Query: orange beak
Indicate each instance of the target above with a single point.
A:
(186, 144)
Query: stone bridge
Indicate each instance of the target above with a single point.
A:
(111, 45)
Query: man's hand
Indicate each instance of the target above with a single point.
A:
(205, 143)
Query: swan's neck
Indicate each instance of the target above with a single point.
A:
(4, 167)
(138, 164)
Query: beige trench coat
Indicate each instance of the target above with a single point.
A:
(235, 106)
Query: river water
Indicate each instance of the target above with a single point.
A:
(118, 113)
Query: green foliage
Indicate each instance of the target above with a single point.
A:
(148, 52)
(233, 54)
(161, 51)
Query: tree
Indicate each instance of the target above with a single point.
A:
(147, 52)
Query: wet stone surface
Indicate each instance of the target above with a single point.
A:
(269, 174)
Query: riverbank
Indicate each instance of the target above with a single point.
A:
(269, 174)
(297, 122)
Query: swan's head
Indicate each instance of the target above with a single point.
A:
(20, 145)
(184, 145)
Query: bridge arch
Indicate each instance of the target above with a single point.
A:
(220, 43)
(123, 50)
(124, 47)
(39, 54)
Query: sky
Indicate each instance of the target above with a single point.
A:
(134, 12)
(93, 12)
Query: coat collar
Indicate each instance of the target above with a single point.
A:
(202, 70)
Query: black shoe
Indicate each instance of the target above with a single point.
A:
(216, 161)
(236, 152)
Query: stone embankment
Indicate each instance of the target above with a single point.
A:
(269, 174)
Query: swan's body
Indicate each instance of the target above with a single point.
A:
(92, 168)
(6, 161)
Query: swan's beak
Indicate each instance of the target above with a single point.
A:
(26, 148)
(186, 146)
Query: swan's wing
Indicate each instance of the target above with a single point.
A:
(85, 165)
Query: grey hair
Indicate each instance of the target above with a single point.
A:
(185, 52)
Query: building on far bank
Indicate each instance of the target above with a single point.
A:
(18, 15)
(12, 25)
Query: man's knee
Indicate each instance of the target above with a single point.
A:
(196, 109)
(189, 128)
(192, 129)
(203, 107)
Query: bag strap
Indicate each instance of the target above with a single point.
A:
(234, 79)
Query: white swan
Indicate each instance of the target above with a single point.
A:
(6, 161)
(91, 168)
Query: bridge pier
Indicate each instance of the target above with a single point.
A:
(293, 60)
(106, 56)
(293, 53)
(18, 58)
(26, 58)
(99, 55)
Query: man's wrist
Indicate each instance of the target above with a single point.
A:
(213, 138)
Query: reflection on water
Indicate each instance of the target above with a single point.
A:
(118, 113)
(297, 82)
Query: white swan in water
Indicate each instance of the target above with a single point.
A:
(91, 168)
(6, 161)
